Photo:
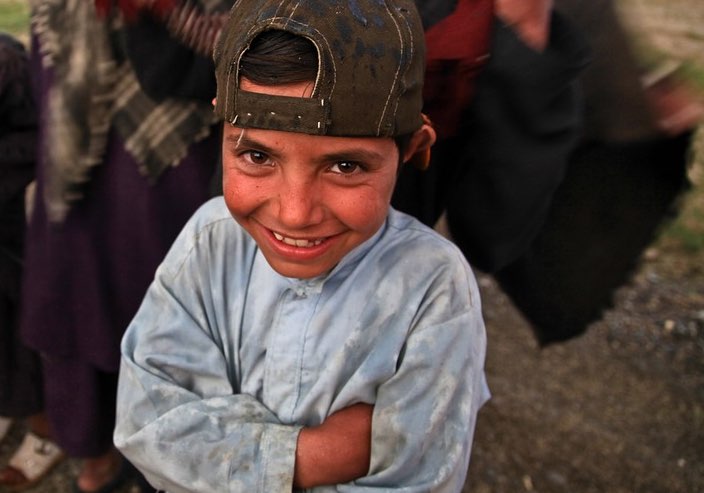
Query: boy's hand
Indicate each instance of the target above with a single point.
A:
(530, 19)
(337, 451)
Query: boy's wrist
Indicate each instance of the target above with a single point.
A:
(337, 451)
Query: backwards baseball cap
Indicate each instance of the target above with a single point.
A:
(371, 63)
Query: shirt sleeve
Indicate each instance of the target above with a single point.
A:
(425, 415)
(180, 418)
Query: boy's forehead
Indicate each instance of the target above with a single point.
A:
(370, 67)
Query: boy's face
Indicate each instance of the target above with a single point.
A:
(306, 200)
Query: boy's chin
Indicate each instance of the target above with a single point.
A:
(296, 270)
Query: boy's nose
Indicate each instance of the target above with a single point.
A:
(299, 204)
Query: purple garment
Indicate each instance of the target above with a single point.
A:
(85, 277)
(81, 406)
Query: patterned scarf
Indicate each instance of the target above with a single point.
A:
(95, 89)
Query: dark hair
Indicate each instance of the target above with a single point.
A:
(279, 57)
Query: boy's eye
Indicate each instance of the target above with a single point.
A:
(345, 167)
(257, 157)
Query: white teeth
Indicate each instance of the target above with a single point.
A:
(295, 242)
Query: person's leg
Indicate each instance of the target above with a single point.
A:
(80, 402)
(21, 399)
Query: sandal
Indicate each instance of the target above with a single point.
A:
(32, 461)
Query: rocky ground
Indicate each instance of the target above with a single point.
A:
(619, 409)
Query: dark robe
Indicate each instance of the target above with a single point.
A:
(20, 377)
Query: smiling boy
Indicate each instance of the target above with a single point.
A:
(321, 340)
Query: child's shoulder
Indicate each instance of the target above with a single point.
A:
(212, 210)
(211, 215)
(412, 251)
(210, 229)
(411, 237)
(412, 265)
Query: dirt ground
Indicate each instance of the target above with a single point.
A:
(619, 409)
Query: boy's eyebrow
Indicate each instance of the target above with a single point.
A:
(242, 141)
(353, 154)
(236, 141)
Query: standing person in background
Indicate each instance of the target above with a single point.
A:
(508, 116)
(556, 202)
(119, 172)
(624, 180)
(20, 374)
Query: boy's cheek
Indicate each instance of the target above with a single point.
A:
(235, 192)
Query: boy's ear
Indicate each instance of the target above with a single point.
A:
(418, 151)
(215, 102)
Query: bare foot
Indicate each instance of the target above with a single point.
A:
(99, 471)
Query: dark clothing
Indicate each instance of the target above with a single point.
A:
(497, 177)
(20, 370)
(558, 217)
(606, 211)
(624, 180)
(82, 404)
(87, 275)
(20, 381)
(18, 138)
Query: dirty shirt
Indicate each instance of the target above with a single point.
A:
(226, 360)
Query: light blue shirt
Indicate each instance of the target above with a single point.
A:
(226, 360)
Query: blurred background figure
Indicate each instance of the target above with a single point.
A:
(624, 181)
(20, 375)
(504, 153)
(560, 161)
(127, 151)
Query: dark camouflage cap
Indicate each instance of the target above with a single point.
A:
(371, 63)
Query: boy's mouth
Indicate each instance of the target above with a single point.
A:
(297, 242)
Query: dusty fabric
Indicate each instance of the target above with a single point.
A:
(96, 89)
(226, 360)
(368, 50)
